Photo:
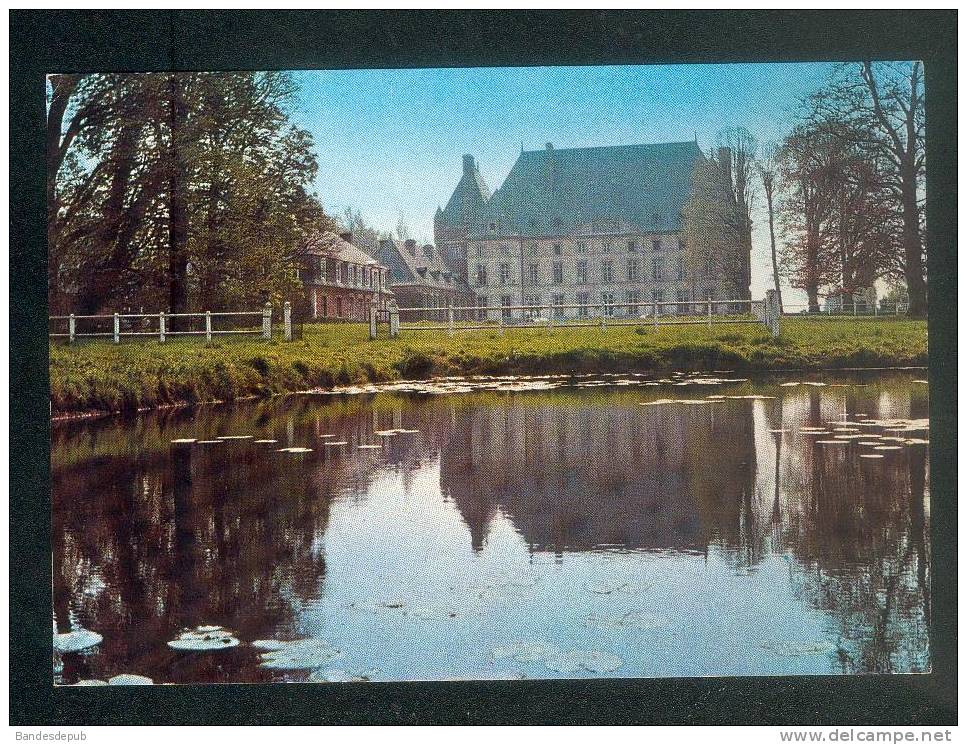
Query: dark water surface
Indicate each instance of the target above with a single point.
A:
(558, 533)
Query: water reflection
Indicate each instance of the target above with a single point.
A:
(725, 515)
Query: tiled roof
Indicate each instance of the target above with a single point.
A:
(595, 189)
(421, 268)
(329, 244)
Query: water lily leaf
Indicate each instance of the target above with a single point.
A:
(204, 639)
(799, 649)
(126, 679)
(591, 661)
(302, 654)
(75, 641)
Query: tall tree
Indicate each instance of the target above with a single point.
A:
(879, 107)
(767, 173)
(181, 190)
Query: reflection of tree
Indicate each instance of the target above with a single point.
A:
(200, 537)
(862, 547)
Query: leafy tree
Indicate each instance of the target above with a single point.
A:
(178, 190)
(878, 109)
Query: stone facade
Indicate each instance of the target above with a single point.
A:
(582, 232)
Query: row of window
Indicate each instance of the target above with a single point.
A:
(633, 303)
(532, 272)
(582, 247)
(357, 275)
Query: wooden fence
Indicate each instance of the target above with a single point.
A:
(586, 315)
(159, 326)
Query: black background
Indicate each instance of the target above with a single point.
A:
(63, 41)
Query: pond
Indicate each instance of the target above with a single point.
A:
(616, 526)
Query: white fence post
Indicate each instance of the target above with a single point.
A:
(71, 328)
(394, 320)
(267, 321)
(208, 325)
(710, 312)
(373, 310)
(117, 329)
(772, 312)
(449, 320)
(654, 312)
(550, 315)
(287, 319)
(602, 317)
(161, 327)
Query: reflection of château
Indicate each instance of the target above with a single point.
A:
(590, 476)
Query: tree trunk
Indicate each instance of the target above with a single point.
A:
(913, 249)
(772, 246)
(177, 200)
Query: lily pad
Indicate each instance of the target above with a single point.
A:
(126, 679)
(639, 620)
(799, 649)
(294, 450)
(591, 661)
(204, 639)
(75, 641)
(91, 683)
(302, 654)
(525, 652)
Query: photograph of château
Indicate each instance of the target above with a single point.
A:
(488, 373)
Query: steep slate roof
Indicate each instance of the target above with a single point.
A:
(407, 269)
(331, 245)
(594, 189)
(468, 198)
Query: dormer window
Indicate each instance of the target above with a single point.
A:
(493, 227)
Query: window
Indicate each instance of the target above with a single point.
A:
(656, 269)
(558, 272)
(607, 300)
(506, 313)
(533, 276)
(482, 303)
(504, 249)
(481, 275)
(581, 272)
(582, 303)
(534, 311)
(656, 245)
(557, 249)
(339, 273)
(658, 296)
(632, 246)
(558, 302)
(634, 297)
(581, 247)
(634, 270)
(504, 273)
(681, 243)
(681, 268)
(606, 245)
(681, 296)
(493, 227)
(607, 271)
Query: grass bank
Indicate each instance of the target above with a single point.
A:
(100, 376)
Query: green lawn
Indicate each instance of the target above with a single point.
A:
(98, 375)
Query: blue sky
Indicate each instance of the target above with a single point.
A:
(390, 142)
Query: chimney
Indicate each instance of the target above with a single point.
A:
(428, 250)
(411, 246)
(549, 146)
(468, 164)
(347, 236)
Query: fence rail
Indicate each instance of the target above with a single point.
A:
(162, 329)
(601, 315)
(871, 310)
